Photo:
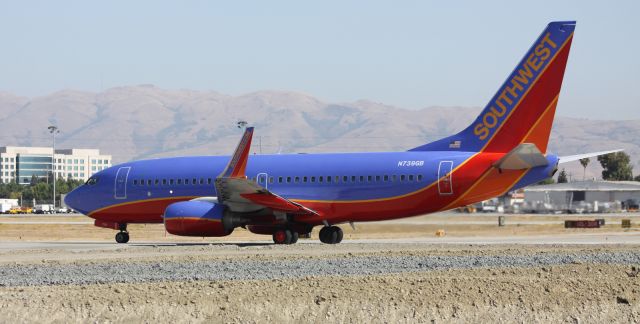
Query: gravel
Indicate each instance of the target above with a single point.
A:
(140, 272)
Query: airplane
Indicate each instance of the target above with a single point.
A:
(287, 195)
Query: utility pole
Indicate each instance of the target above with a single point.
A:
(53, 130)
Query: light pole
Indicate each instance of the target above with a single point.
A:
(54, 130)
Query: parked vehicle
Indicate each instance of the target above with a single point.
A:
(5, 208)
(43, 209)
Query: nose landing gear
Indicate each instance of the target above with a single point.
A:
(123, 235)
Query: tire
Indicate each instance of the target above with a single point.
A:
(282, 237)
(324, 234)
(339, 234)
(294, 237)
(331, 235)
(122, 237)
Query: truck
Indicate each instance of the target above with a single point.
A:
(5, 208)
(43, 209)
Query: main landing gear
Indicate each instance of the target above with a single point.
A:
(331, 235)
(285, 236)
(123, 235)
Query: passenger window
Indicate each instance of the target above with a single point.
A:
(411, 177)
(186, 181)
(208, 180)
(171, 182)
(194, 182)
(402, 177)
(369, 178)
(279, 179)
(337, 179)
(156, 182)
(328, 179)
(378, 178)
(393, 178)
(345, 179)
(361, 178)
(320, 179)
(386, 178)
(419, 177)
(201, 181)
(148, 182)
(164, 182)
(288, 179)
(353, 178)
(304, 179)
(135, 182)
(313, 179)
(179, 181)
(270, 179)
(297, 179)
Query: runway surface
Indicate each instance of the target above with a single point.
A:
(628, 238)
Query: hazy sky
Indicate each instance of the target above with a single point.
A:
(411, 54)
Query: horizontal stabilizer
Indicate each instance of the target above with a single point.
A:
(569, 158)
(524, 156)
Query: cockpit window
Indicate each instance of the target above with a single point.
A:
(92, 181)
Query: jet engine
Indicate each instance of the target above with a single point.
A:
(197, 218)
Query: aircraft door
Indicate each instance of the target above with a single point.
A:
(445, 186)
(263, 180)
(121, 183)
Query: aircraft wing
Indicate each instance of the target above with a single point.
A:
(240, 194)
(564, 159)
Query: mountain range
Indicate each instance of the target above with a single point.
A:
(145, 121)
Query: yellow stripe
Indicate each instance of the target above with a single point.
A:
(540, 118)
(193, 218)
(142, 201)
(387, 198)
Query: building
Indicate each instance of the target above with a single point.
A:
(594, 195)
(21, 164)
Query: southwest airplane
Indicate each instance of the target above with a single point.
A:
(504, 149)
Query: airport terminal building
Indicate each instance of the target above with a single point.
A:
(20, 164)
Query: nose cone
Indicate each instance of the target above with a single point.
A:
(74, 200)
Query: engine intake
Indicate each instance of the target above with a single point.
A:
(197, 218)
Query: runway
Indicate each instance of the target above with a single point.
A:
(624, 238)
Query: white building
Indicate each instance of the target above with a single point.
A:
(591, 193)
(20, 164)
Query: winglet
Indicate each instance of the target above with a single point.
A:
(238, 163)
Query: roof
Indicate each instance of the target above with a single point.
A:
(588, 186)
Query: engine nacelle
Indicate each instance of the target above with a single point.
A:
(197, 218)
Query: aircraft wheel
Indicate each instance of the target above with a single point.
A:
(282, 237)
(294, 237)
(339, 234)
(122, 237)
(331, 235)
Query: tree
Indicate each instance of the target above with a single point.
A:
(616, 166)
(562, 177)
(584, 163)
